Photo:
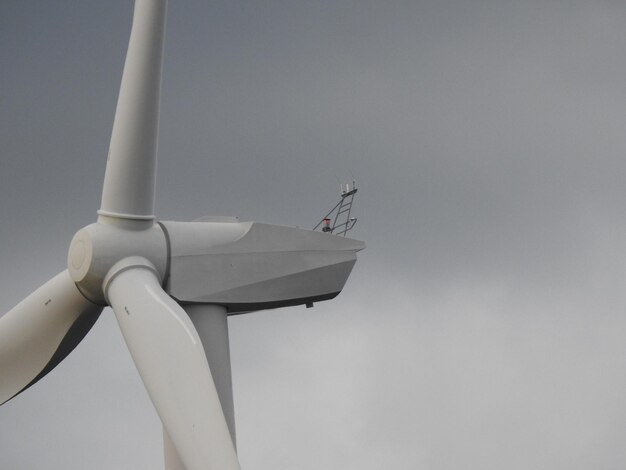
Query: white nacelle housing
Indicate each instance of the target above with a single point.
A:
(249, 266)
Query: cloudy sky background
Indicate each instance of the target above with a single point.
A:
(484, 325)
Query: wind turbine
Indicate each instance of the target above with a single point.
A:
(170, 284)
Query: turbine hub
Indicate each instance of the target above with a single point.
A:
(96, 250)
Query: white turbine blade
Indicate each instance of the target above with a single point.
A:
(172, 459)
(129, 181)
(39, 332)
(170, 358)
(211, 322)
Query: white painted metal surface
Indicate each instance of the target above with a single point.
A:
(169, 356)
(252, 266)
(170, 454)
(131, 167)
(96, 248)
(211, 322)
(32, 333)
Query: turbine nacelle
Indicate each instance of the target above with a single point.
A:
(247, 266)
(244, 266)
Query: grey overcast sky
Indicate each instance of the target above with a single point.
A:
(483, 327)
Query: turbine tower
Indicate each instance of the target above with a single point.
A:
(170, 284)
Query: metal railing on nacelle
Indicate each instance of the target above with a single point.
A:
(338, 220)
